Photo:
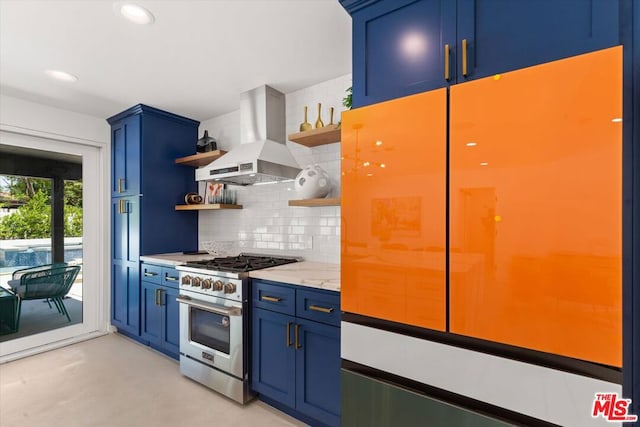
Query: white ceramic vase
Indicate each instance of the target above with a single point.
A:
(312, 182)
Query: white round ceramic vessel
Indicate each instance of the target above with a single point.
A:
(312, 182)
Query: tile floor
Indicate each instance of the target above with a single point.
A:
(112, 381)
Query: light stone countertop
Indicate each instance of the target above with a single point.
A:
(173, 259)
(306, 273)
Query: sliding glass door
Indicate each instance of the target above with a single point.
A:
(52, 233)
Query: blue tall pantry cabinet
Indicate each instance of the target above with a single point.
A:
(146, 184)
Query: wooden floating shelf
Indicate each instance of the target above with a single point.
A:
(203, 207)
(314, 137)
(200, 159)
(312, 203)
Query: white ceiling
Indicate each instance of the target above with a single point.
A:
(194, 60)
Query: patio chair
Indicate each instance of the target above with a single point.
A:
(50, 282)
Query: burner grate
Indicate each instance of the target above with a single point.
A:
(241, 263)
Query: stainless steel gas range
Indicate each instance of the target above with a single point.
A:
(214, 306)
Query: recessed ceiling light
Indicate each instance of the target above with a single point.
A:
(484, 164)
(471, 144)
(617, 120)
(136, 14)
(62, 76)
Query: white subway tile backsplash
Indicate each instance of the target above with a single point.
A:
(266, 223)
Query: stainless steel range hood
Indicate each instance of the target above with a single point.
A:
(262, 155)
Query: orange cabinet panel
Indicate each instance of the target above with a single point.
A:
(394, 210)
(536, 207)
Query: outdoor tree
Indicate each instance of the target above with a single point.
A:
(32, 220)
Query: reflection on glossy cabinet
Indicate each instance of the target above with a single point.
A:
(536, 200)
(393, 230)
(535, 208)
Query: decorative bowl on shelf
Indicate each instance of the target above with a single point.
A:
(221, 248)
(312, 182)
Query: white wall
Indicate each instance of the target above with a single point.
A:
(17, 115)
(266, 223)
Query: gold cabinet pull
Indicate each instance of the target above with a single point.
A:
(447, 51)
(120, 185)
(464, 57)
(121, 206)
(170, 278)
(288, 334)
(270, 299)
(321, 309)
(297, 330)
(156, 297)
(150, 274)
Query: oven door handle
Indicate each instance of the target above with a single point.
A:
(232, 311)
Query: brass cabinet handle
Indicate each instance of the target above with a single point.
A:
(464, 57)
(447, 52)
(120, 185)
(270, 299)
(288, 334)
(156, 297)
(150, 274)
(297, 329)
(121, 206)
(321, 309)
(170, 278)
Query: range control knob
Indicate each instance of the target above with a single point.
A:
(206, 283)
(196, 282)
(186, 280)
(217, 285)
(229, 288)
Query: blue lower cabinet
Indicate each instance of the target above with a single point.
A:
(151, 314)
(125, 297)
(171, 322)
(273, 362)
(295, 363)
(318, 371)
(160, 317)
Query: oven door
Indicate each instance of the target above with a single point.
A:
(211, 332)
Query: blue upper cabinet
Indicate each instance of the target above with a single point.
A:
(504, 35)
(125, 161)
(403, 47)
(145, 143)
(400, 48)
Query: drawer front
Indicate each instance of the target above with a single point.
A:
(170, 277)
(274, 297)
(151, 273)
(319, 306)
